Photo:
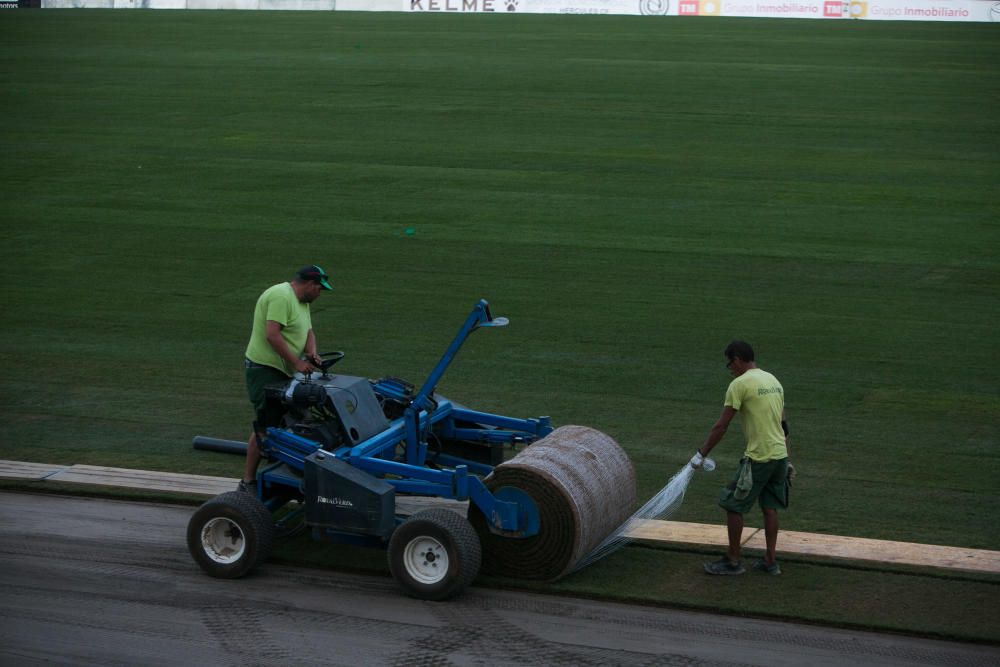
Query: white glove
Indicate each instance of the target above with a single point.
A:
(697, 460)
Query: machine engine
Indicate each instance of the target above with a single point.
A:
(333, 410)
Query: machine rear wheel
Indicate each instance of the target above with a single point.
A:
(230, 535)
(434, 554)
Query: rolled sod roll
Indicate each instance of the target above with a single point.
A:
(583, 484)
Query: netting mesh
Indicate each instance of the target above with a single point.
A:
(660, 506)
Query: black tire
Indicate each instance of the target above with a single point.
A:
(434, 555)
(230, 535)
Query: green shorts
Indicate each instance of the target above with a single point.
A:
(258, 379)
(770, 486)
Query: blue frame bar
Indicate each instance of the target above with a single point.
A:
(539, 427)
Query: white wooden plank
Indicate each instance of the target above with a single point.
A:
(655, 530)
(25, 470)
(143, 479)
(883, 551)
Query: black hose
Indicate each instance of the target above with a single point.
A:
(219, 445)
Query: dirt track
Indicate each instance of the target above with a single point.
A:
(107, 582)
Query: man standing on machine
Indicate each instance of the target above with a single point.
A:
(764, 473)
(281, 343)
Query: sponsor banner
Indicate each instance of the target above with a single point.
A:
(636, 7)
(78, 4)
(327, 5)
(879, 10)
(793, 9)
(892, 10)
(925, 10)
(910, 10)
(461, 6)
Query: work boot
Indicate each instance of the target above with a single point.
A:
(248, 487)
(723, 566)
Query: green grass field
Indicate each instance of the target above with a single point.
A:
(632, 192)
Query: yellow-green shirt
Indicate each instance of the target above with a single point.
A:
(279, 303)
(759, 398)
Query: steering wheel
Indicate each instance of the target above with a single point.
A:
(328, 359)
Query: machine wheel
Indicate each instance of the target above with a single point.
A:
(434, 554)
(230, 535)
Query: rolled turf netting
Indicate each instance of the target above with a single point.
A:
(583, 484)
(661, 506)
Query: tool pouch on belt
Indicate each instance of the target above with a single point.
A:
(744, 483)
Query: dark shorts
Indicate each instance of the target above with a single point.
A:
(258, 378)
(770, 487)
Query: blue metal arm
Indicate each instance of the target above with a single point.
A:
(479, 317)
(416, 447)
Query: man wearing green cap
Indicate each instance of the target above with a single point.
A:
(281, 343)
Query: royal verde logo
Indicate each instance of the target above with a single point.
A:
(654, 7)
(339, 502)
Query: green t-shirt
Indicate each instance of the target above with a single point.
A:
(280, 304)
(758, 397)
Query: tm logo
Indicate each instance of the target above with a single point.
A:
(834, 8)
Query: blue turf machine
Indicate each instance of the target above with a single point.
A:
(340, 448)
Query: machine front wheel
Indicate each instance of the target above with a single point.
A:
(434, 554)
(229, 535)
